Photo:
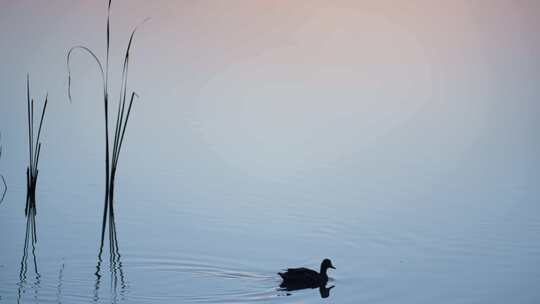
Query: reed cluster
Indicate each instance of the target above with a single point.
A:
(34, 149)
(114, 140)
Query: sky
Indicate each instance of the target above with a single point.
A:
(277, 90)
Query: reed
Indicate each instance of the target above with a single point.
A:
(1, 176)
(123, 112)
(34, 149)
(32, 173)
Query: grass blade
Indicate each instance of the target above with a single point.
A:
(5, 189)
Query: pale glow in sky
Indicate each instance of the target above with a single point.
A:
(280, 88)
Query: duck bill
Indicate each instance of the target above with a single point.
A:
(332, 267)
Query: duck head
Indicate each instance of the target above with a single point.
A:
(326, 263)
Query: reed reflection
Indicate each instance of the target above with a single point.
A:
(30, 241)
(60, 284)
(117, 278)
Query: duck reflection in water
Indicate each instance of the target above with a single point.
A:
(304, 278)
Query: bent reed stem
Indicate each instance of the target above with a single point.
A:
(112, 153)
(1, 176)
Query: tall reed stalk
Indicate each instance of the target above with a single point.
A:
(125, 103)
(34, 150)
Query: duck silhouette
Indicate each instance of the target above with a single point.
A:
(301, 278)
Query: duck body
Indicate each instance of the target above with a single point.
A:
(303, 277)
(300, 278)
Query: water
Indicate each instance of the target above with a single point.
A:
(226, 244)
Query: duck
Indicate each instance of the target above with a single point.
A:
(300, 278)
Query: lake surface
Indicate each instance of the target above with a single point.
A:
(225, 242)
